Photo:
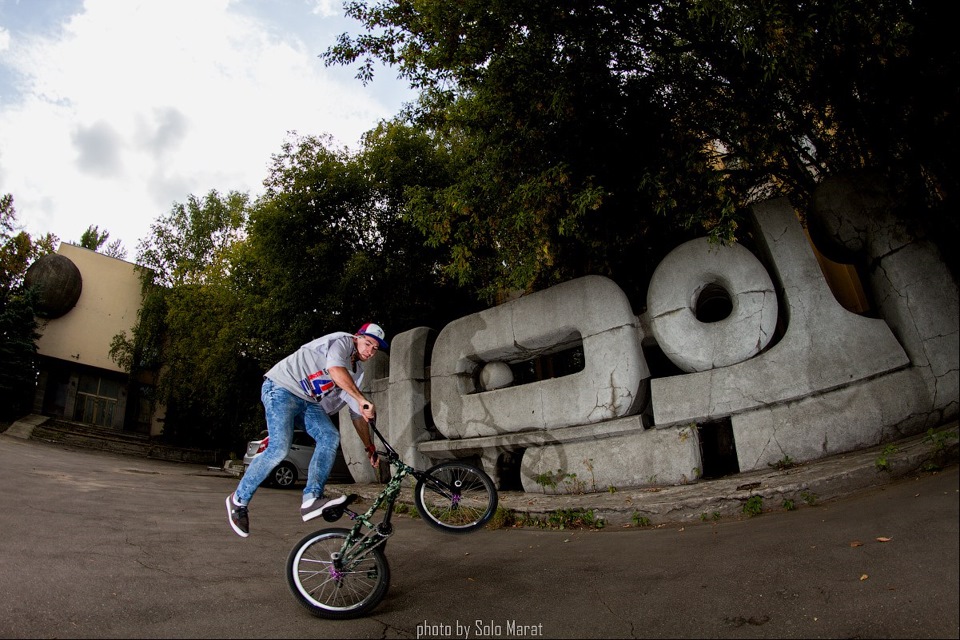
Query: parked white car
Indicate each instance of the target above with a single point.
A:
(294, 467)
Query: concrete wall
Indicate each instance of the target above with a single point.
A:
(828, 381)
(108, 305)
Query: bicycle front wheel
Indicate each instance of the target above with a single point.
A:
(332, 587)
(455, 497)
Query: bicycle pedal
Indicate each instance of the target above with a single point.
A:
(332, 515)
(335, 513)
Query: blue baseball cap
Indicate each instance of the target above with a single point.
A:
(376, 332)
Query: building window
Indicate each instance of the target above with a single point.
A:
(97, 400)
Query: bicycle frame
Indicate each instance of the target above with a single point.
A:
(346, 574)
(358, 544)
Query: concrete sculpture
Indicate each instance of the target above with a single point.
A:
(827, 381)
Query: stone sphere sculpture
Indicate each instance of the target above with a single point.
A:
(58, 283)
(495, 375)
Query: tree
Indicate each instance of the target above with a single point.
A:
(588, 137)
(189, 327)
(400, 274)
(554, 168)
(794, 92)
(231, 287)
(329, 247)
(93, 239)
(18, 325)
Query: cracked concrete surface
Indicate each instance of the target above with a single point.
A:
(831, 381)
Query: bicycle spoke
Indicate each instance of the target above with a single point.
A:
(456, 497)
(336, 589)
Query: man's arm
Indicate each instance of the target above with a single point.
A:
(341, 377)
(363, 430)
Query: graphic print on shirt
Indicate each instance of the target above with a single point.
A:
(317, 384)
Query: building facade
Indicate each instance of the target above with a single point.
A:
(78, 380)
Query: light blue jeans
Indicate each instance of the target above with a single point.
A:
(282, 408)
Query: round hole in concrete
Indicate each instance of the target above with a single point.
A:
(713, 304)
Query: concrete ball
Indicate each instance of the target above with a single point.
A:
(495, 375)
(58, 283)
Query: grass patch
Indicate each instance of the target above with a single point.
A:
(753, 506)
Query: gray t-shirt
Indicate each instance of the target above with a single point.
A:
(305, 372)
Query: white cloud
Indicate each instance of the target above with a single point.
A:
(99, 147)
(127, 107)
(326, 8)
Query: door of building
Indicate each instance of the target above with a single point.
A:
(97, 400)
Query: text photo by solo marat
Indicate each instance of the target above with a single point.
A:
(479, 629)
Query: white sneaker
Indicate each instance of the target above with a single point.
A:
(238, 518)
(312, 507)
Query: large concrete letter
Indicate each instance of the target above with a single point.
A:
(408, 394)
(591, 310)
(911, 284)
(672, 296)
(825, 346)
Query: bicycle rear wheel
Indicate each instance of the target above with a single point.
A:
(333, 589)
(455, 497)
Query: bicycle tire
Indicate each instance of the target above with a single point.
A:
(467, 508)
(336, 594)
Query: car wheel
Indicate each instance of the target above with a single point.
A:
(284, 475)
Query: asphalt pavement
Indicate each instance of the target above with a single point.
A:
(98, 545)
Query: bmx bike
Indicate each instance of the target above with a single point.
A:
(343, 573)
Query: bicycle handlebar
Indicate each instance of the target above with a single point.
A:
(390, 452)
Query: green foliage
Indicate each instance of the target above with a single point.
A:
(232, 286)
(939, 442)
(94, 239)
(753, 506)
(531, 138)
(786, 462)
(18, 369)
(883, 460)
(577, 518)
(329, 246)
(560, 481)
(503, 518)
(584, 138)
(189, 327)
(639, 520)
(549, 141)
(18, 249)
(18, 325)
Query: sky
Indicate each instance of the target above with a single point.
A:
(112, 111)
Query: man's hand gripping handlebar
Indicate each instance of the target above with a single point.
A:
(371, 449)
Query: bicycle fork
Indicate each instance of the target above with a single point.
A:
(353, 549)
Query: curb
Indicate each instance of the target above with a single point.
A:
(798, 486)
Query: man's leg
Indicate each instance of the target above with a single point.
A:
(321, 428)
(281, 407)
